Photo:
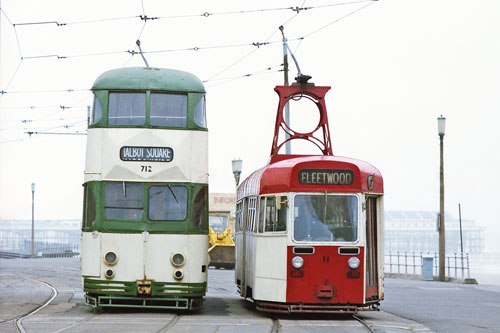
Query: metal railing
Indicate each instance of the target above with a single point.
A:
(456, 265)
(42, 250)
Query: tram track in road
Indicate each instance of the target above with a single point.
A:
(364, 323)
(173, 321)
(18, 320)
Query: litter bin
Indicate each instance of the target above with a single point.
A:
(427, 267)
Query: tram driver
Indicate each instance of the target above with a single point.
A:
(307, 225)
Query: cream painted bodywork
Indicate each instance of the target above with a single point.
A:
(145, 256)
(269, 280)
(189, 164)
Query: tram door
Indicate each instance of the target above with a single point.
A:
(371, 249)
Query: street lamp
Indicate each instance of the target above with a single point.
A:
(237, 164)
(442, 239)
(32, 220)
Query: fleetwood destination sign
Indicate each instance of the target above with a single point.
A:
(326, 176)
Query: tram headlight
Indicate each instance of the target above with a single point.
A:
(297, 262)
(353, 262)
(177, 259)
(110, 258)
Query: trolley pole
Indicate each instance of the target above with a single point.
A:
(442, 238)
(32, 220)
(288, 147)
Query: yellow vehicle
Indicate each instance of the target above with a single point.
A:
(221, 244)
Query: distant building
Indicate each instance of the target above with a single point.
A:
(416, 231)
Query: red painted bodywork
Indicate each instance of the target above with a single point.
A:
(324, 278)
(283, 176)
(320, 136)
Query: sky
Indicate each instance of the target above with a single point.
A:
(394, 66)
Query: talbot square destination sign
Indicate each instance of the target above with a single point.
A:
(153, 154)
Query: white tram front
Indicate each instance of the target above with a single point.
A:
(145, 224)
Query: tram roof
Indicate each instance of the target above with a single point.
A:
(283, 176)
(148, 78)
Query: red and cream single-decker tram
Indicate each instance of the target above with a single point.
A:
(309, 228)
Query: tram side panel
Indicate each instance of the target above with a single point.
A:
(270, 267)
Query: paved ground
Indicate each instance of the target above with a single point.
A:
(409, 306)
(224, 310)
(445, 307)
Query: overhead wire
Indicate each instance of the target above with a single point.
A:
(214, 78)
(205, 14)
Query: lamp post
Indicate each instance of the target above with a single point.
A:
(32, 220)
(442, 239)
(237, 164)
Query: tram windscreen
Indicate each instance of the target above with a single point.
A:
(326, 218)
(168, 203)
(123, 201)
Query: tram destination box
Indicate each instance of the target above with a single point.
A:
(153, 154)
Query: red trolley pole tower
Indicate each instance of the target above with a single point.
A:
(320, 136)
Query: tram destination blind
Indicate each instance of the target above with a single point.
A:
(326, 176)
(152, 154)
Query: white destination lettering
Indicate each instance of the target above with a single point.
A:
(159, 154)
(326, 177)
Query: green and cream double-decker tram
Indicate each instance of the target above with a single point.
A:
(145, 221)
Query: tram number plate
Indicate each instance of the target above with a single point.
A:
(152, 154)
(326, 176)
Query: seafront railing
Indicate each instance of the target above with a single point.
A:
(412, 263)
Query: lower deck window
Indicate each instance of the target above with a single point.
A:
(272, 213)
(325, 218)
(123, 201)
(167, 203)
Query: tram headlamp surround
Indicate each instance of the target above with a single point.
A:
(110, 258)
(177, 259)
(353, 262)
(297, 262)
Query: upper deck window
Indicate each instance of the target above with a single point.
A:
(127, 108)
(168, 110)
(168, 203)
(200, 117)
(96, 112)
(325, 218)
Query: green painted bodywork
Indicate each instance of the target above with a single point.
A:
(164, 295)
(186, 226)
(142, 78)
